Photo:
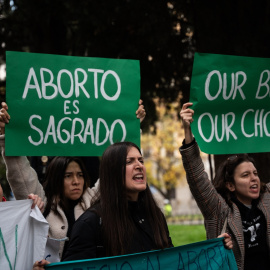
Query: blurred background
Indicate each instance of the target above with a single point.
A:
(163, 35)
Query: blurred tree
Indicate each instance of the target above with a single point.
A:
(160, 149)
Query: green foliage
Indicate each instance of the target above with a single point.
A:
(186, 234)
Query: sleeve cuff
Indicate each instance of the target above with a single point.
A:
(184, 145)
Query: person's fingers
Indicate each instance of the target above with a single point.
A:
(34, 198)
(37, 201)
(4, 116)
(186, 105)
(186, 113)
(40, 204)
(141, 113)
(225, 235)
(222, 235)
(186, 117)
(39, 265)
(227, 240)
(228, 243)
(31, 196)
(4, 105)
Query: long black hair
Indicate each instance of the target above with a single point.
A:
(117, 226)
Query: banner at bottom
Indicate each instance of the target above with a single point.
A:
(209, 254)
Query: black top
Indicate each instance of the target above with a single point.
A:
(254, 229)
(70, 219)
(85, 235)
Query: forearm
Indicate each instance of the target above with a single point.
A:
(21, 176)
(201, 187)
(188, 135)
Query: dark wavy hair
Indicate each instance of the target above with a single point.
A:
(117, 225)
(225, 174)
(54, 183)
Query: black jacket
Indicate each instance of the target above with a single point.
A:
(85, 236)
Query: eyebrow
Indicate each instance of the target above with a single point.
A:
(249, 171)
(72, 172)
(133, 158)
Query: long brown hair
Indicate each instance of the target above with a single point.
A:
(54, 183)
(225, 174)
(116, 222)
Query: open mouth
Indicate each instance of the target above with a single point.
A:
(254, 187)
(138, 177)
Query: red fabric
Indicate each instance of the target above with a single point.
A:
(4, 199)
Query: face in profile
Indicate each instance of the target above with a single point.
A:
(246, 183)
(135, 174)
(73, 181)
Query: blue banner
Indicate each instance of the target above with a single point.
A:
(209, 254)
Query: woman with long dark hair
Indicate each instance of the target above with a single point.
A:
(236, 200)
(124, 218)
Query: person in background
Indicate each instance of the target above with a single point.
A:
(41, 163)
(236, 200)
(65, 190)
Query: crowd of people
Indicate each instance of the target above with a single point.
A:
(119, 215)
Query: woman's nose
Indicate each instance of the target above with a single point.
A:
(75, 180)
(139, 165)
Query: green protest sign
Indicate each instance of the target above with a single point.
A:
(70, 106)
(230, 96)
(210, 254)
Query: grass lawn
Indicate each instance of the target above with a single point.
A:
(186, 234)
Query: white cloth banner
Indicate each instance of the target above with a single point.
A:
(23, 235)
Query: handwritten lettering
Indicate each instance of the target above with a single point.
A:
(77, 128)
(49, 89)
(212, 257)
(254, 123)
(237, 82)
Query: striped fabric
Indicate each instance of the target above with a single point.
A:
(213, 206)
